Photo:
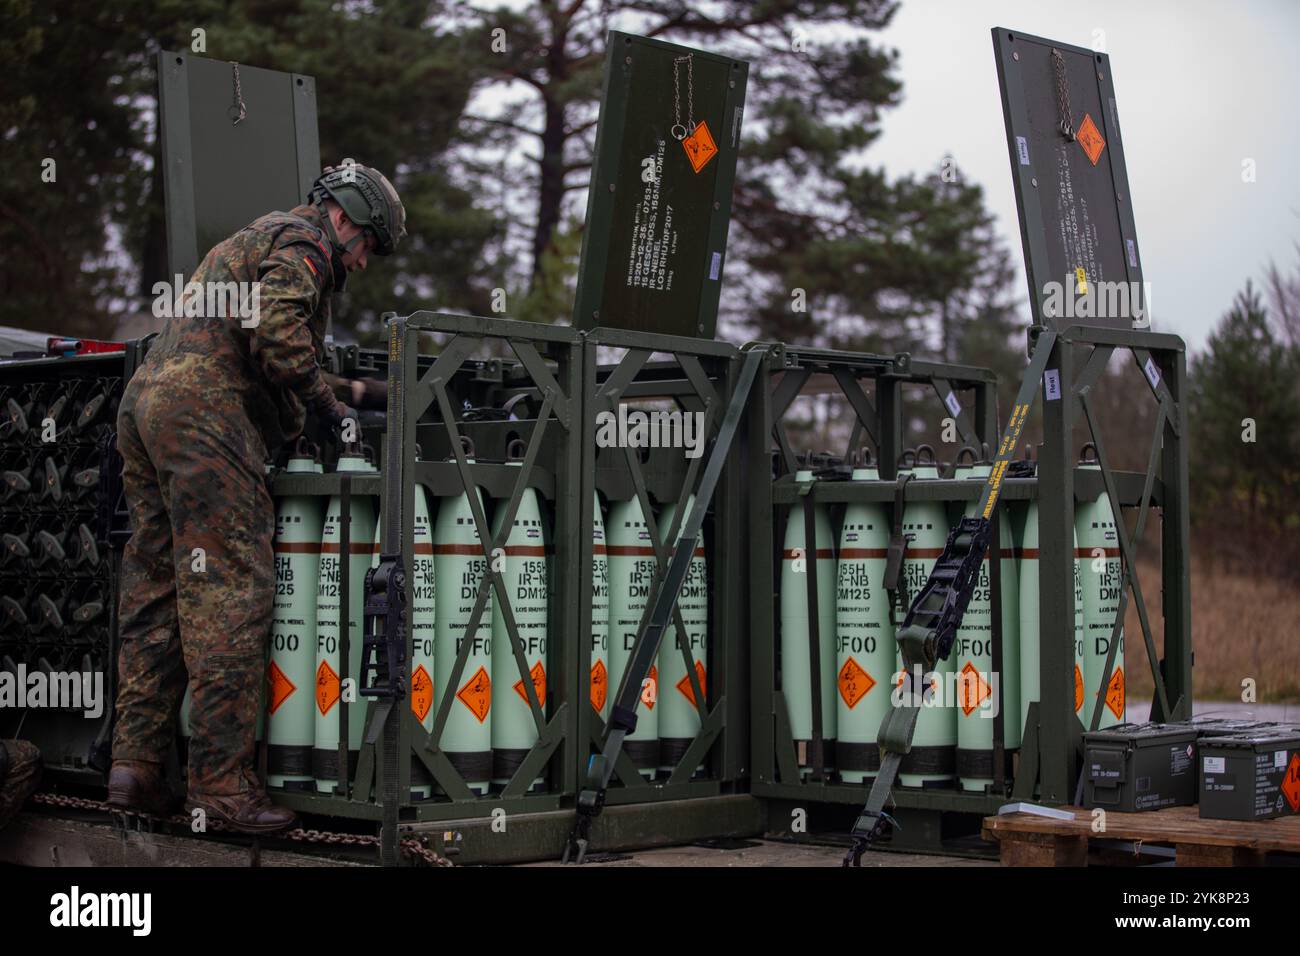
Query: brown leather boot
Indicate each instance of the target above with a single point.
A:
(250, 811)
(139, 785)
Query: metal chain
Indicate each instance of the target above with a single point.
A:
(237, 109)
(1063, 112)
(689, 128)
(411, 846)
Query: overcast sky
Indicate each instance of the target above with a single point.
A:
(1201, 86)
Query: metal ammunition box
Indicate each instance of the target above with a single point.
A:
(1250, 777)
(1132, 767)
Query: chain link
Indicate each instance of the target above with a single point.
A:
(411, 846)
(237, 110)
(689, 128)
(1063, 112)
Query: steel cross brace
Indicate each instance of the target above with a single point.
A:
(622, 719)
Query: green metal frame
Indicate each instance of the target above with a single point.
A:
(549, 358)
(1052, 740)
(775, 771)
(1080, 355)
(559, 373)
(699, 376)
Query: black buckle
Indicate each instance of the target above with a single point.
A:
(383, 656)
(870, 828)
(591, 800)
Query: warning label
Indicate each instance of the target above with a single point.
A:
(281, 687)
(327, 687)
(854, 682)
(654, 238)
(973, 689)
(421, 693)
(684, 685)
(1090, 139)
(650, 688)
(1115, 693)
(700, 147)
(538, 675)
(477, 694)
(1291, 783)
(599, 685)
(1078, 688)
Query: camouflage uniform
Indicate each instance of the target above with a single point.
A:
(194, 427)
(20, 772)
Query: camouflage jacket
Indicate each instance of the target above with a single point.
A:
(267, 365)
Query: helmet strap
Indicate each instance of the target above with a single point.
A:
(337, 248)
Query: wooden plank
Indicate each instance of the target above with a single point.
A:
(37, 840)
(1192, 854)
(1174, 825)
(1043, 849)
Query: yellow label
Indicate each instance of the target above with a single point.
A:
(1081, 280)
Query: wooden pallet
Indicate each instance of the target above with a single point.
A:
(1027, 840)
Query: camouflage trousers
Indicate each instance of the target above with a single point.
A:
(20, 772)
(198, 579)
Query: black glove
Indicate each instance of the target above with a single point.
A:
(374, 393)
(332, 415)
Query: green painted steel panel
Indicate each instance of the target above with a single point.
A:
(218, 175)
(654, 248)
(1072, 194)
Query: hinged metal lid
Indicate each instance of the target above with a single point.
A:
(237, 142)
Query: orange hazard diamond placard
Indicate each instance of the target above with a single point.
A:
(1115, 693)
(1090, 138)
(599, 685)
(327, 687)
(650, 688)
(684, 685)
(538, 675)
(281, 687)
(1078, 688)
(973, 688)
(854, 682)
(700, 147)
(477, 694)
(421, 693)
(1291, 783)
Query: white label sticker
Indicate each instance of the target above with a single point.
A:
(1022, 147)
(953, 404)
(1279, 760)
(1132, 253)
(1213, 764)
(715, 266)
(1052, 384)
(1152, 371)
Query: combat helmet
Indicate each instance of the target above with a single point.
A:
(367, 198)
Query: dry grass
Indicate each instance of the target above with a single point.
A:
(1242, 626)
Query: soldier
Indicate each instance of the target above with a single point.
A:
(213, 396)
(20, 772)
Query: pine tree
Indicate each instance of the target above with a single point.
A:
(1245, 419)
(81, 87)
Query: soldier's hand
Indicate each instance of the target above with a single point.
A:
(370, 393)
(334, 414)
